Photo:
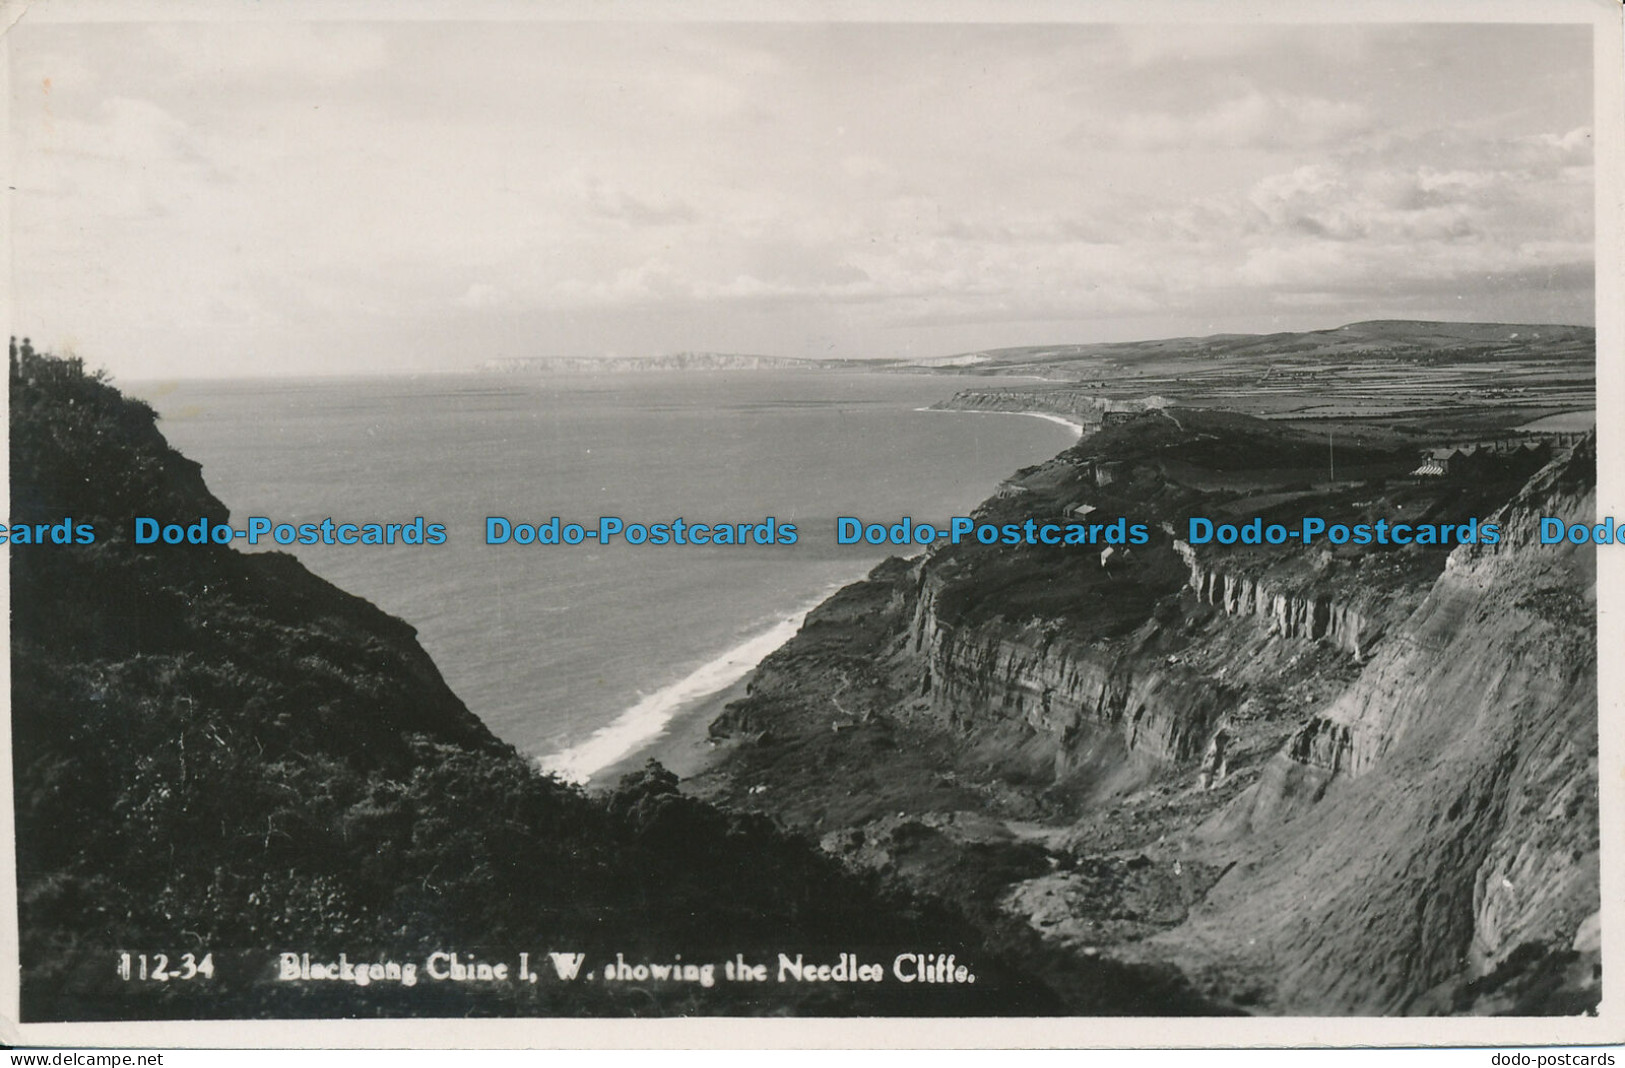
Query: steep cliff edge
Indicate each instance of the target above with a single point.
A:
(219, 754)
(1312, 780)
(1101, 666)
(1295, 602)
(1061, 687)
(1164, 686)
(1437, 824)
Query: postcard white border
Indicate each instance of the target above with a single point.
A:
(1608, 19)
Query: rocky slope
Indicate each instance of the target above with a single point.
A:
(1310, 781)
(1060, 687)
(1351, 620)
(1438, 820)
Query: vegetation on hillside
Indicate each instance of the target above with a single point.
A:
(220, 753)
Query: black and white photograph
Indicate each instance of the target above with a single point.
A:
(1071, 522)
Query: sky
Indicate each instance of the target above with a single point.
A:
(295, 198)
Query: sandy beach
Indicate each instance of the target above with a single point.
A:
(1073, 425)
(683, 745)
(671, 725)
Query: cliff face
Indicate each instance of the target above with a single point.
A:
(1439, 819)
(1350, 621)
(1087, 407)
(1163, 689)
(1352, 735)
(1063, 689)
(1356, 782)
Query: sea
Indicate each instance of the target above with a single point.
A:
(580, 655)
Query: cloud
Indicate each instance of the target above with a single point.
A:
(1329, 202)
(1187, 43)
(249, 182)
(482, 295)
(129, 158)
(283, 51)
(1251, 120)
(609, 201)
(1466, 148)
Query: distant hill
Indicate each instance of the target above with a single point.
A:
(1375, 339)
(1379, 339)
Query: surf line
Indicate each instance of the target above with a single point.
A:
(644, 721)
(1076, 428)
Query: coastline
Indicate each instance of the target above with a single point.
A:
(670, 724)
(683, 745)
(1073, 425)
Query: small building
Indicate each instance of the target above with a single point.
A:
(1081, 510)
(1437, 462)
(1432, 468)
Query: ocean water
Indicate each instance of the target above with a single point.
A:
(580, 654)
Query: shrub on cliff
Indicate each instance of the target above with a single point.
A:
(220, 753)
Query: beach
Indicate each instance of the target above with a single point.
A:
(667, 710)
(1074, 425)
(671, 725)
(683, 746)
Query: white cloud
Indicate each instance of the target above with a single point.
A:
(610, 201)
(1252, 120)
(329, 190)
(288, 52)
(1236, 44)
(483, 295)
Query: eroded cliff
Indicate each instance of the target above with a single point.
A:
(1451, 831)
(1310, 780)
